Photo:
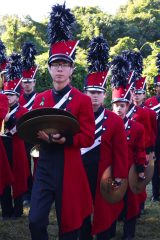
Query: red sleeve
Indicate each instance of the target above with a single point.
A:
(139, 149)
(153, 122)
(147, 103)
(144, 119)
(4, 106)
(21, 112)
(119, 150)
(85, 138)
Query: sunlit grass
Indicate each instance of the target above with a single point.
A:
(148, 226)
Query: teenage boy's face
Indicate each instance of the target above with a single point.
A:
(120, 108)
(60, 71)
(28, 86)
(158, 89)
(97, 97)
(12, 99)
(138, 97)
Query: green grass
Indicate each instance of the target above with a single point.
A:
(148, 226)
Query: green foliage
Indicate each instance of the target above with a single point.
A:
(43, 79)
(135, 26)
(80, 69)
(125, 43)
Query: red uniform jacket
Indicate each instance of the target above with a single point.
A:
(5, 170)
(20, 167)
(113, 152)
(151, 102)
(141, 115)
(27, 101)
(76, 196)
(153, 124)
(136, 154)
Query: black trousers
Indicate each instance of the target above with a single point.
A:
(156, 181)
(10, 207)
(85, 233)
(129, 228)
(27, 195)
(47, 188)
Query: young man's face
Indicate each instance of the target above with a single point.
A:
(12, 99)
(158, 89)
(97, 97)
(28, 86)
(120, 108)
(138, 97)
(60, 71)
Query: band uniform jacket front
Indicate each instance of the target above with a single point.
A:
(135, 135)
(20, 168)
(113, 152)
(6, 177)
(75, 190)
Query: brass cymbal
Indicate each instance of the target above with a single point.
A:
(136, 184)
(111, 192)
(149, 170)
(44, 111)
(64, 124)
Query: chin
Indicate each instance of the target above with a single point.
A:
(119, 114)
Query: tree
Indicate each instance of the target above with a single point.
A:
(125, 43)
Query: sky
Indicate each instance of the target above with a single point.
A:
(38, 9)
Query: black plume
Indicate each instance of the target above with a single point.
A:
(137, 64)
(14, 67)
(119, 71)
(98, 55)
(60, 24)
(2, 53)
(28, 53)
(158, 62)
(128, 55)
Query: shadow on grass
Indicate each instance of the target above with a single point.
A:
(148, 226)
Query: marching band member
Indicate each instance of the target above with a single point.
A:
(26, 100)
(109, 148)
(6, 177)
(19, 165)
(135, 136)
(60, 175)
(154, 104)
(28, 75)
(139, 113)
(3, 63)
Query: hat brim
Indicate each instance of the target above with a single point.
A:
(28, 80)
(62, 57)
(120, 100)
(10, 92)
(95, 88)
(157, 84)
(139, 91)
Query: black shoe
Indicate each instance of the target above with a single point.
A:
(16, 217)
(26, 203)
(128, 238)
(154, 199)
(6, 218)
